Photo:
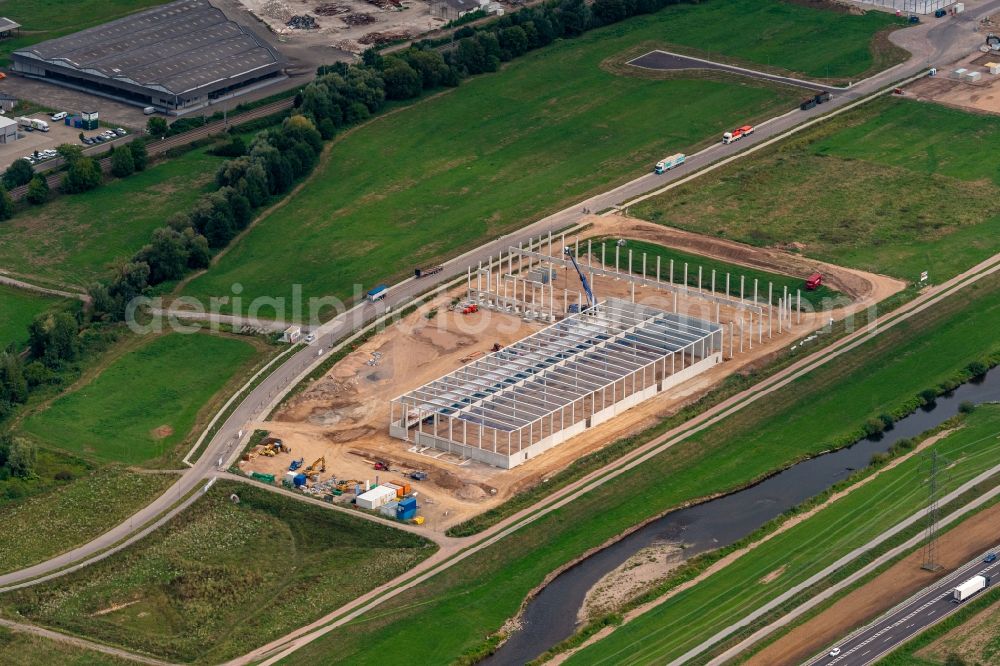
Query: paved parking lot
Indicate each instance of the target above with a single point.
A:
(29, 142)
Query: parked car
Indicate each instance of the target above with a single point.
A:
(87, 140)
(120, 131)
(59, 116)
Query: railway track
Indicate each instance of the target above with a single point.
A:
(157, 147)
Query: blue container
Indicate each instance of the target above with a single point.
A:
(406, 514)
(299, 480)
(408, 502)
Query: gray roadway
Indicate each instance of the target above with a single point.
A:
(927, 608)
(935, 43)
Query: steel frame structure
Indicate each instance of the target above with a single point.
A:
(520, 401)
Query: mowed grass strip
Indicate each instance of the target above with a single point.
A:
(47, 524)
(145, 403)
(75, 239)
(437, 621)
(790, 558)
(18, 308)
(474, 163)
(896, 187)
(55, 18)
(223, 578)
(606, 249)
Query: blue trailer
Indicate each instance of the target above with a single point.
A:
(378, 293)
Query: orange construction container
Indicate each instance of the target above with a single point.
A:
(403, 487)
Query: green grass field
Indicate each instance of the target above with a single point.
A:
(449, 614)
(163, 383)
(803, 550)
(74, 239)
(894, 187)
(19, 308)
(55, 18)
(30, 650)
(47, 524)
(223, 578)
(707, 265)
(426, 182)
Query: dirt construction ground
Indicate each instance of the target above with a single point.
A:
(903, 579)
(344, 415)
(982, 96)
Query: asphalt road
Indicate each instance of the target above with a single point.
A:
(937, 43)
(899, 625)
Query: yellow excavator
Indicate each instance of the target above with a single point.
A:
(315, 468)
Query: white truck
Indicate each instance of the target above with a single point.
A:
(963, 591)
(40, 125)
(668, 163)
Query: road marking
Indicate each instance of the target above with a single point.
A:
(865, 652)
(931, 613)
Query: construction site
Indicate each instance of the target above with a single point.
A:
(971, 83)
(538, 357)
(347, 25)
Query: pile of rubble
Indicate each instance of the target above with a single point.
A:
(302, 22)
(275, 9)
(330, 9)
(379, 38)
(386, 4)
(376, 357)
(358, 19)
(348, 46)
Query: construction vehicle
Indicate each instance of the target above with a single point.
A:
(418, 476)
(470, 309)
(808, 103)
(269, 450)
(314, 469)
(496, 347)
(814, 281)
(591, 302)
(296, 464)
(381, 466)
(378, 293)
(739, 133)
(424, 272)
(820, 97)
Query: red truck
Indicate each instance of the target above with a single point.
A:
(737, 134)
(814, 281)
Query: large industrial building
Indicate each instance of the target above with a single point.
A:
(520, 401)
(179, 56)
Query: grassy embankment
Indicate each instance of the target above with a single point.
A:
(694, 261)
(146, 403)
(223, 578)
(462, 167)
(73, 240)
(895, 187)
(74, 511)
(448, 615)
(798, 553)
(19, 308)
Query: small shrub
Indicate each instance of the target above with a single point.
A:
(929, 396)
(967, 407)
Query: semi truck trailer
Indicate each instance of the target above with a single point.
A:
(737, 134)
(963, 591)
(668, 163)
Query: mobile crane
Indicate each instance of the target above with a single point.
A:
(591, 302)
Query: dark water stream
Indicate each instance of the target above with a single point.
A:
(551, 616)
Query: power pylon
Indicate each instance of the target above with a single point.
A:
(935, 466)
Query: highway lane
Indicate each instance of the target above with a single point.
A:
(906, 621)
(939, 41)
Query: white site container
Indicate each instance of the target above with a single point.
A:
(959, 7)
(376, 497)
(974, 76)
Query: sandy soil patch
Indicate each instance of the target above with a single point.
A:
(636, 575)
(161, 432)
(774, 575)
(114, 607)
(945, 88)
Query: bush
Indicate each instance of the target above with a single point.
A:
(977, 368)
(873, 427)
(140, 158)
(967, 407)
(929, 396)
(6, 204)
(156, 126)
(38, 190)
(122, 164)
(82, 175)
(20, 172)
